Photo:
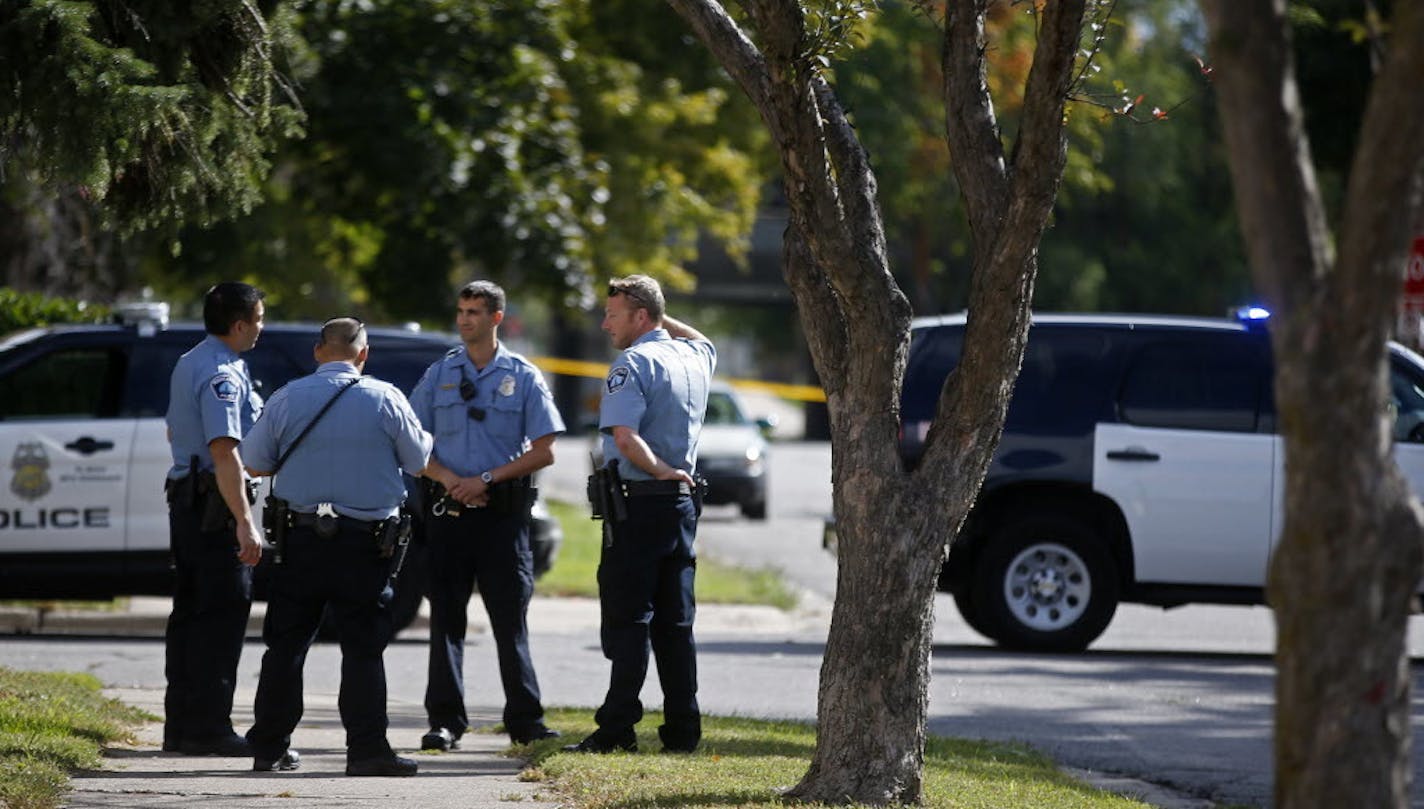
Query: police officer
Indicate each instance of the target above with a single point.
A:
(337, 443)
(651, 417)
(494, 422)
(212, 535)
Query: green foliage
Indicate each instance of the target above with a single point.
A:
(51, 723)
(540, 144)
(1144, 219)
(163, 112)
(24, 310)
(1161, 234)
(750, 762)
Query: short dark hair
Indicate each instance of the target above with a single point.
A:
(227, 303)
(489, 290)
(344, 332)
(643, 291)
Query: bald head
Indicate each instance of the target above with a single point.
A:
(343, 339)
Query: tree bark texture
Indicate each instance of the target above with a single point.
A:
(893, 524)
(1351, 550)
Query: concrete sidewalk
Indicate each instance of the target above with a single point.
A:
(140, 776)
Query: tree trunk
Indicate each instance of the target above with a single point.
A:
(1351, 548)
(892, 524)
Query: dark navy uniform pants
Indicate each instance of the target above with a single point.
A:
(344, 574)
(490, 549)
(212, 596)
(645, 583)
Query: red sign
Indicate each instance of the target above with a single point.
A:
(1414, 274)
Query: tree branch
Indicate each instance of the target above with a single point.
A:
(1282, 216)
(970, 127)
(733, 50)
(1388, 168)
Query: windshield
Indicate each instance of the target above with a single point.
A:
(722, 409)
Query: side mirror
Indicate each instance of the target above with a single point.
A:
(767, 426)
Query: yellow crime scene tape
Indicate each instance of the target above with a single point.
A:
(599, 370)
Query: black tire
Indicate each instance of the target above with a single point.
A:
(964, 601)
(754, 510)
(1045, 583)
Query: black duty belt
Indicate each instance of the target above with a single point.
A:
(648, 488)
(305, 520)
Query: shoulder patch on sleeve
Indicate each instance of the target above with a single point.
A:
(617, 378)
(225, 387)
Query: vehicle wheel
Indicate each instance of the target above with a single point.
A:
(754, 511)
(964, 601)
(1045, 583)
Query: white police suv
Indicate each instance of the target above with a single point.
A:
(1140, 462)
(82, 434)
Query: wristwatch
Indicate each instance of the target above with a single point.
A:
(488, 478)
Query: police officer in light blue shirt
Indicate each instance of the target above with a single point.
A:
(214, 540)
(495, 424)
(337, 443)
(654, 400)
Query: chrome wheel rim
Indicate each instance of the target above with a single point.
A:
(1047, 587)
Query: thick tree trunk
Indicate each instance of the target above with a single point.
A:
(893, 525)
(1350, 553)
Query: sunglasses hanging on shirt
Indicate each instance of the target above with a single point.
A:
(468, 392)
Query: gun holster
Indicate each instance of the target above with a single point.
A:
(607, 500)
(276, 520)
(393, 535)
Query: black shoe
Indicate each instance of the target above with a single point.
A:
(391, 765)
(290, 760)
(680, 748)
(233, 746)
(171, 746)
(440, 739)
(537, 733)
(612, 743)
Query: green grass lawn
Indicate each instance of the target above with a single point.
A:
(51, 724)
(575, 570)
(749, 763)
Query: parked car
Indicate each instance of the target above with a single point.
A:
(1139, 463)
(732, 453)
(81, 422)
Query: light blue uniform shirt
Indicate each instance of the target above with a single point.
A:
(353, 457)
(517, 405)
(658, 387)
(210, 396)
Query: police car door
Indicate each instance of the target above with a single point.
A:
(1191, 463)
(66, 449)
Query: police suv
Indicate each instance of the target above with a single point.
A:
(82, 407)
(1140, 462)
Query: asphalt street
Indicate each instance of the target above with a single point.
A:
(1181, 698)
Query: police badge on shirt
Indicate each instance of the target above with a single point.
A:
(617, 378)
(225, 387)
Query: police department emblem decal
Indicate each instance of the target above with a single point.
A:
(617, 378)
(225, 388)
(506, 385)
(31, 481)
